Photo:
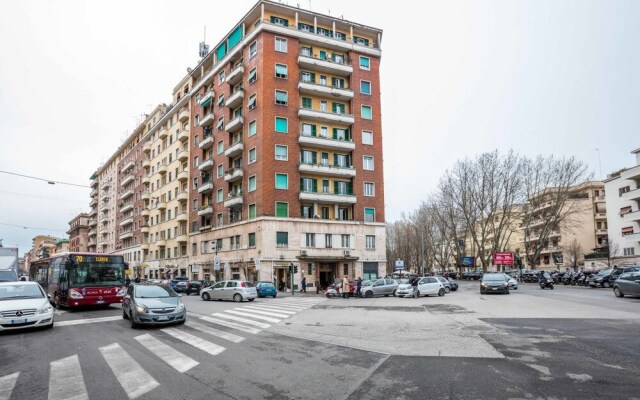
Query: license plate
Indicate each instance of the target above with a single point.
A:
(19, 321)
(163, 318)
(99, 301)
(494, 288)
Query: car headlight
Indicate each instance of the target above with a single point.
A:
(599, 280)
(180, 307)
(506, 284)
(483, 284)
(141, 308)
(45, 309)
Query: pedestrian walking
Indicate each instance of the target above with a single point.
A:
(137, 280)
(358, 286)
(282, 285)
(303, 284)
(127, 281)
(317, 283)
(345, 288)
(414, 286)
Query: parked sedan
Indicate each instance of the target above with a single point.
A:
(628, 284)
(265, 289)
(380, 287)
(494, 283)
(453, 283)
(445, 283)
(230, 290)
(194, 287)
(24, 305)
(146, 304)
(513, 283)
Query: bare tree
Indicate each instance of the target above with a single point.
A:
(575, 252)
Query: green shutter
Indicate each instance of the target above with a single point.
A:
(325, 183)
(315, 186)
(335, 132)
(323, 55)
(313, 77)
(335, 187)
(349, 188)
(314, 159)
(333, 82)
(335, 159)
(301, 184)
(334, 106)
(221, 51)
(235, 37)
(313, 130)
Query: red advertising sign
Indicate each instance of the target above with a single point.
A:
(503, 259)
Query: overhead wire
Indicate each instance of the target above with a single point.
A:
(49, 181)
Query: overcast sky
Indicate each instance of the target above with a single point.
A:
(458, 78)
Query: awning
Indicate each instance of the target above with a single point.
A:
(625, 210)
(207, 102)
(627, 230)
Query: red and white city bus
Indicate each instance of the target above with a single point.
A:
(81, 279)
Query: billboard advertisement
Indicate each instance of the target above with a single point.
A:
(467, 262)
(503, 258)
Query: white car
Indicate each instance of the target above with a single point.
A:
(230, 290)
(513, 283)
(427, 286)
(24, 305)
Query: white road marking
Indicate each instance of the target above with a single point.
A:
(195, 341)
(260, 311)
(7, 383)
(251, 315)
(273, 309)
(215, 332)
(65, 380)
(231, 325)
(59, 312)
(242, 320)
(288, 308)
(546, 373)
(167, 353)
(580, 377)
(86, 321)
(132, 377)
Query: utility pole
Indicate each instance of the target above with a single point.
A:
(422, 249)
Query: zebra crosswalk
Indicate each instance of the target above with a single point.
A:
(208, 334)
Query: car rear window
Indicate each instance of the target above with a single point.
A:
(248, 284)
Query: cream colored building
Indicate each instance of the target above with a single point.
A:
(107, 179)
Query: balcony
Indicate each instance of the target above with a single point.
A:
(308, 61)
(126, 235)
(183, 176)
(205, 165)
(161, 205)
(146, 163)
(601, 215)
(234, 200)
(183, 115)
(93, 232)
(146, 196)
(205, 210)
(326, 169)
(104, 232)
(182, 217)
(147, 147)
(93, 202)
(182, 196)
(145, 212)
(632, 195)
(635, 237)
(104, 197)
(144, 229)
(632, 216)
(162, 169)
(234, 149)
(105, 185)
(127, 179)
(126, 194)
(126, 207)
(631, 173)
(235, 75)
(94, 184)
(325, 116)
(326, 143)
(161, 243)
(94, 193)
(126, 221)
(206, 187)
(183, 136)
(182, 238)
(146, 179)
(233, 174)
(103, 243)
(328, 198)
(325, 90)
(205, 228)
(207, 142)
(104, 220)
(235, 124)
(601, 231)
(93, 212)
(235, 99)
(144, 246)
(207, 120)
(128, 165)
(164, 132)
(104, 208)
(183, 155)
(207, 98)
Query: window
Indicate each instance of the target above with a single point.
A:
(282, 181)
(308, 130)
(327, 240)
(253, 75)
(219, 196)
(370, 242)
(221, 78)
(365, 87)
(361, 41)
(307, 211)
(252, 211)
(195, 161)
(282, 239)
(310, 239)
(195, 204)
(220, 125)
(367, 163)
(281, 97)
(282, 209)
(251, 104)
(366, 112)
(281, 45)
(345, 240)
(281, 152)
(324, 32)
(220, 147)
(369, 189)
(281, 125)
(364, 63)
(252, 183)
(252, 128)
(305, 27)
(252, 155)
(221, 100)
(308, 185)
(219, 223)
(220, 171)
(281, 71)
(337, 83)
(306, 102)
(308, 77)
(340, 35)
(629, 251)
(345, 269)
(339, 108)
(253, 49)
(252, 240)
(367, 137)
(369, 215)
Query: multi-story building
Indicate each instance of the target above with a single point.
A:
(286, 155)
(79, 232)
(623, 212)
(92, 234)
(107, 178)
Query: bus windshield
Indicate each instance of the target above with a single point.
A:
(102, 274)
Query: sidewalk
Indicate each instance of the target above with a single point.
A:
(298, 294)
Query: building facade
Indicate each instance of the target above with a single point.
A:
(107, 178)
(623, 213)
(286, 160)
(79, 232)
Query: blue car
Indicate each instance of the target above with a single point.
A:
(266, 289)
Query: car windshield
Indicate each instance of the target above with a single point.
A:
(367, 282)
(266, 284)
(8, 276)
(146, 292)
(9, 292)
(493, 277)
(103, 274)
(605, 272)
(248, 284)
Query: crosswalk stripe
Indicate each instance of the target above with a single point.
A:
(243, 320)
(132, 377)
(259, 311)
(195, 341)
(7, 383)
(63, 371)
(273, 309)
(248, 313)
(228, 324)
(86, 321)
(166, 353)
(290, 308)
(215, 332)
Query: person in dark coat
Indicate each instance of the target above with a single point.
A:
(358, 286)
(303, 285)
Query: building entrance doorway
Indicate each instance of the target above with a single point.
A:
(327, 274)
(283, 279)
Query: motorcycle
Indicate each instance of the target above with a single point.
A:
(331, 292)
(546, 283)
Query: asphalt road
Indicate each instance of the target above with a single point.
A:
(574, 343)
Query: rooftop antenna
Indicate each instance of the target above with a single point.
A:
(204, 48)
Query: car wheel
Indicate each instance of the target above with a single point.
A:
(124, 314)
(394, 292)
(50, 326)
(237, 298)
(182, 322)
(206, 297)
(274, 296)
(134, 324)
(606, 284)
(369, 294)
(251, 299)
(386, 295)
(617, 292)
(447, 289)
(400, 295)
(441, 292)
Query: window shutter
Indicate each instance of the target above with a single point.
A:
(335, 130)
(313, 77)
(313, 130)
(335, 187)
(333, 82)
(323, 55)
(334, 106)
(286, 22)
(335, 159)
(349, 188)
(347, 134)
(273, 19)
(301, 184)
(314, 158)
(315, 186)
(325, 183)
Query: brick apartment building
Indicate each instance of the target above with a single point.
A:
(79, 233)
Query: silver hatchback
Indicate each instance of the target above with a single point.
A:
(235, 290)
(380, 287)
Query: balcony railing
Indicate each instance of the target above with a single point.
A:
(234, 199)
(326, 142)
(345, 197)
(308, 87)
(206, 142)
(327, 169)
(205, 187)
(325, 116)
(341, 67)
(183, 115)
(235, 75)
(234, 149)
(233, 174)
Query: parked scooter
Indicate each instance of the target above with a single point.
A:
(546, 283)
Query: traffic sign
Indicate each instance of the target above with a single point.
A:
(399, 264)
(216, 263)
(502, 258)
